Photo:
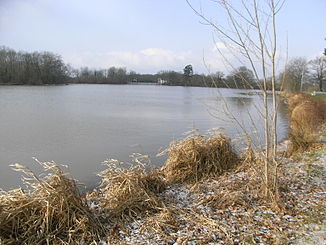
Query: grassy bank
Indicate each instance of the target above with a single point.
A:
(205, 193)
(320, 96)
(307, 114)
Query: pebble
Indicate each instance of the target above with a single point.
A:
(316, 228)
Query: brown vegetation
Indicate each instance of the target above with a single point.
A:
(130, 192)
(306, 117)
(51, 211)
(241, 187)
(295, 99)
(198, 157)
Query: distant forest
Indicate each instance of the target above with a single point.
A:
(42, 68)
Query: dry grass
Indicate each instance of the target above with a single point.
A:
(128, 192)
(295, 99)
(51, 211)
(162, 223)
(306, 116)
(198, 157)
(242, 187)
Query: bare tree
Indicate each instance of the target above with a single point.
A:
(242, 77)
(318, 70)
(31, 68)
(294, 75)
(251, 38)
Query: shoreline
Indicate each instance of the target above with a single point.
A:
(166, 205)
(150, 84)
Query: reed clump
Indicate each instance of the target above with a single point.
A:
(128, 192)
(50, 211)
(306, 116)
(240, 188)
(294, 99)
(198, 157)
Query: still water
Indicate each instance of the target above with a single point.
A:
(82, 125)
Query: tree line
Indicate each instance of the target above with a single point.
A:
(303, 75)
(40, 68)
(31, 68)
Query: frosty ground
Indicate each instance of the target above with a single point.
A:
(227, 211)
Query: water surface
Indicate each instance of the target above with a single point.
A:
(82, 125)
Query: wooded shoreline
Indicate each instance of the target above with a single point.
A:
(45, 68)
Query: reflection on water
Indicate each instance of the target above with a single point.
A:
(239, 102)
(242, 117)
(82, 125)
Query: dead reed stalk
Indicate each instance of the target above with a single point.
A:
(296, 99)
(306, 117)
(130, 192)
(198, 157)
(50, 211)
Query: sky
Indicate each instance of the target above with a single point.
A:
(146, 36)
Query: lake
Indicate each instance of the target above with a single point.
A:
(83, 125)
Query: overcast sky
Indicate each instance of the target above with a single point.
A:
(143, 35)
